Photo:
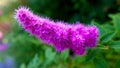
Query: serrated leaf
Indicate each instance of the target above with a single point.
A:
(65, 54)
(101, 28)
(91, 54)
(108, 27)
(23, 66)
(35, 63)
(107, 37)
(49, 55)
(100, 63)
(79, 59)
(116, 22)
(115, 44)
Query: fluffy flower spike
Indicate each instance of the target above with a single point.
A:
(58, 34)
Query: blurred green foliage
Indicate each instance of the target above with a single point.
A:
(75, 10)
(29, 52)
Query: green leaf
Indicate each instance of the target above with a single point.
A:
(79, 59)
(65, 54)
(107, 37)
(101, 28)
(115, 45)
(116, 22)
(91, 54)
(108, 27)
(23, 66)
(35, 63)
(50, 56)
(100, 63)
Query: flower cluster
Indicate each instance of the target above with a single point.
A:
(60, 35)
(3, 47)
(1, 35)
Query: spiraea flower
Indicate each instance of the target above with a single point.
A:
(58, 34)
